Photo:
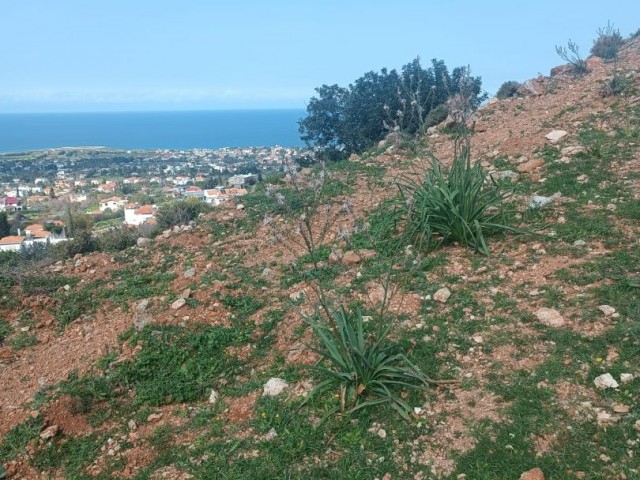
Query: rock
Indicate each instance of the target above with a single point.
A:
(607, 310)
(142, 305)
(531, 165)
(143, 242)
(154, 417)
(538, 201)
(240, 207)
(366, 318)
(132, 425)
(626, 378)
(556, 135)
(579, 243)
(274, 387)
(214, 397)
(186, 293)
(442, 295)
(533, 474)
(620, 408)
(140, 320)
(49, 432)
(382, 433)
(502, 174)
(67, 287)
(550, 317)
(190, 272)
(605, 381)
(477, 338)
(605, 418)
(266, 272)
(335, 256)
(574, 150)
(271, 434)
(353, 258)
(179, 303)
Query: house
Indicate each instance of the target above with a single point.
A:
(109, 187)
(37, 233)
(139, 215)
(12, 243)
(240, 181)
(113, 204)
(194, 192)
(216, 196)
(10, 204)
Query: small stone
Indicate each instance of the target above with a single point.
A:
(154, 417)
(190, 272)
(214, 397)
(367, 318)
(605, 381)
(142, 305)
(556, 135)
(417, 410)
(49, 432)
(353, 258)
(620, 408)
(271, 434)
(531, 165)
(274, 387)
(295, 296)
(140, 320)
(573, 150)
(67, 287)
(442, 295)
(607, 310)
(240, 207)
(626, 378)
(605, 418)
(533, 474)
(132, 425)
(477, 338)
(143, 242)
(266, 272)
(579, 243)
(382, 433)
(605, 458)
(550, 317)
(179, 303)
(186, 293)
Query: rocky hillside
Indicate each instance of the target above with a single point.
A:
(185, 357)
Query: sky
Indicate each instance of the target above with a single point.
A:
(145, 55)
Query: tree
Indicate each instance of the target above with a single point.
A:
(5, 227)
(52, 193)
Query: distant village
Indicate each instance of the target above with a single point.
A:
(39, 189)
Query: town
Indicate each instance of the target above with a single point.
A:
(41, 190)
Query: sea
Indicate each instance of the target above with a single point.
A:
(21, 132)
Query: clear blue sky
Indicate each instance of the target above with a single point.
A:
(106, 55)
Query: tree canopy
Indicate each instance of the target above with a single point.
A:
(345, 120)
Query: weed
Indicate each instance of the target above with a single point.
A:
(23, 340)
(608, 43)
(5, 330)
(457, 205)
(571, 54)
(15, 442)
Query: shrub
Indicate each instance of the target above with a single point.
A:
(180, 213)
(436, 116)
(458, 205)
(508, 89)
(615, 86)
(117, 239)
(608, 43)
(5, 330)
(366, 368)
(571, 54)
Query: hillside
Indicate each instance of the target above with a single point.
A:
(108, 362)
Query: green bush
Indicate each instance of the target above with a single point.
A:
(508, 89)
(5, 330)
(367, 369)
(608, 43)
(455, 205)
(117, 239)
(436, 116)
(180, 212)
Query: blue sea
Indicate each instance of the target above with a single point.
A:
(150, 130)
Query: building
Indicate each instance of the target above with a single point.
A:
(241, 181)
(10, 204)
(219, 195)
(113, 204)
(13, 243)
(138, 215)
(194, 192)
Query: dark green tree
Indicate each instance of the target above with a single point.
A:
(5, 227)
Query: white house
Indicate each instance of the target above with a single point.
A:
(113, 204)
(11, 244)
(135, 215)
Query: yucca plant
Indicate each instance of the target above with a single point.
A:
(367, 369)
(460, 205)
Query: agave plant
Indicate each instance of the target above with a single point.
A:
(367, 369)
(456, 205)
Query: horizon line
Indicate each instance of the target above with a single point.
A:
(76, 112)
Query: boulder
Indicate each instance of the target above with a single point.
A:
(274, 387)
(442, 295)
(556, 135)
(605, 381)
(550, 317)
(533, 474)
(178, 304)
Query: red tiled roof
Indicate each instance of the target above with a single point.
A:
(144, 210)
(11, 240)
